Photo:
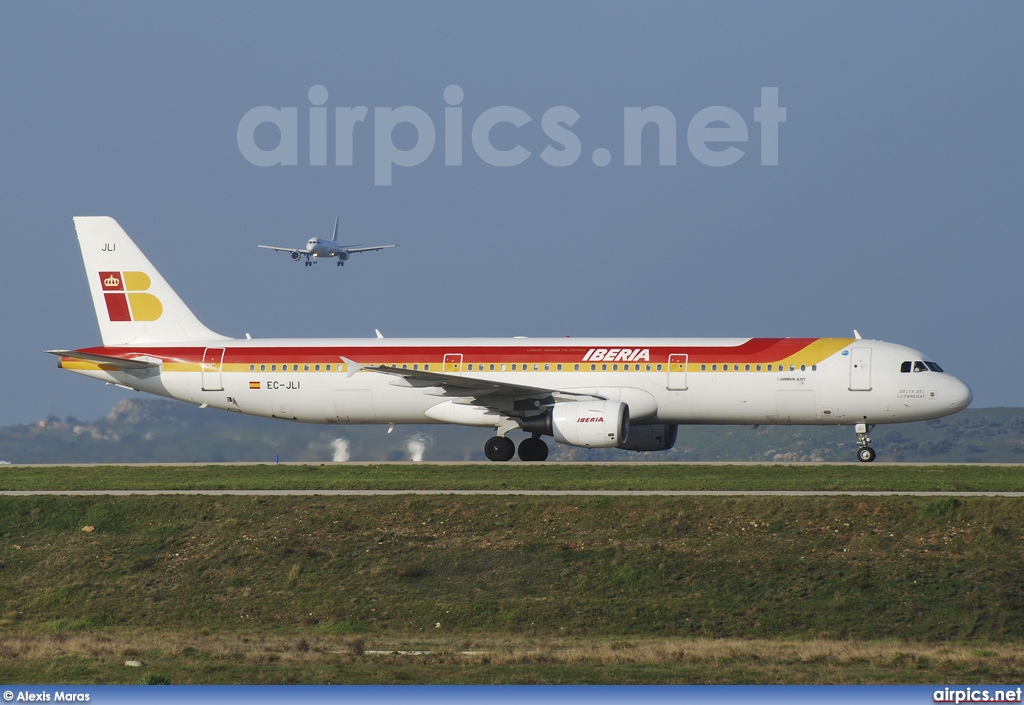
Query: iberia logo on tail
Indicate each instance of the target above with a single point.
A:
(126, 299)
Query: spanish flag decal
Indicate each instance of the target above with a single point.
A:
(254, 385)
(126, 297)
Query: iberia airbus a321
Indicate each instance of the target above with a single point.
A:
(630, 393)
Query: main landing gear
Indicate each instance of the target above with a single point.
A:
(865, 453)
(500, 448)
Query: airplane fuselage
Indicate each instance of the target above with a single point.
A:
(822, 381)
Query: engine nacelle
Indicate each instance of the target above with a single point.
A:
(591, 424)
(296, 256)
(343, 256)
(659, 436)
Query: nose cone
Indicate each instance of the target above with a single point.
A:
(960, 395)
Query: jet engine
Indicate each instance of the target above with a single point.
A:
(591, 424)
(659, 436)
(343, 256)
(296, 256)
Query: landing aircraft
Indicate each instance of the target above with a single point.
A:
(318, 247)
(630, 393)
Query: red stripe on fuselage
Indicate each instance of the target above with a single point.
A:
(753, 350)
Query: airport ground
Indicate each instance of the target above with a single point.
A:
(565, 588)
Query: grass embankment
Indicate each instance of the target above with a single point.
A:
(568, 589)
(520, 476)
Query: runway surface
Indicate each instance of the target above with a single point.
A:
(511, 493)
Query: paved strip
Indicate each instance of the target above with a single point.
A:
(512, 493)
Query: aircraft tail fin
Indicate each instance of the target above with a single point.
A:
(134, 304)
(334, 238)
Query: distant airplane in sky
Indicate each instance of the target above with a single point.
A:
(630, 393)
(318, 247)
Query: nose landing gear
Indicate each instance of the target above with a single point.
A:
(865, 453)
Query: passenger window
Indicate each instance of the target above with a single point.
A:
(647, 367)
(714, 368)
(758, 368)
(615, 367)
(492, 367)
(604, 368)
(547, 367)
(803, 368)
(317, 368)
(328, 368)
(659, 367)
(426, 367)
(273, 368)
(746, 368)
(252, 368)
(576, 367)
(593, 367)
(263, 368)
(769, 368)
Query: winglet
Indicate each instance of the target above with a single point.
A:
(377, 331)
(856, 334)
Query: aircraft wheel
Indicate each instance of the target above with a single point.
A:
(866, 454)
(533, 450)
(499, 448)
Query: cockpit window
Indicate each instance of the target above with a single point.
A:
(919, 366)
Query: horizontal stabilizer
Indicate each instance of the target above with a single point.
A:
(135, 363)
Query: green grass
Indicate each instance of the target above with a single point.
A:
(577, 589)
(540, 476)
(527, 571)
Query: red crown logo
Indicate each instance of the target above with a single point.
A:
(111, 282)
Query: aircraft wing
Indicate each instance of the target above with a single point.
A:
(284, 249)
(139, 362)
(462, 385)
(363, 248)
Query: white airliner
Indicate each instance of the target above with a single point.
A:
(318, 247)
(630, 393)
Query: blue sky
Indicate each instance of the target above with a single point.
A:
(895, 207)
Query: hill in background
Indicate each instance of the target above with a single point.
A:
(156, 430)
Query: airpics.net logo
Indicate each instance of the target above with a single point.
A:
(716, 135)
